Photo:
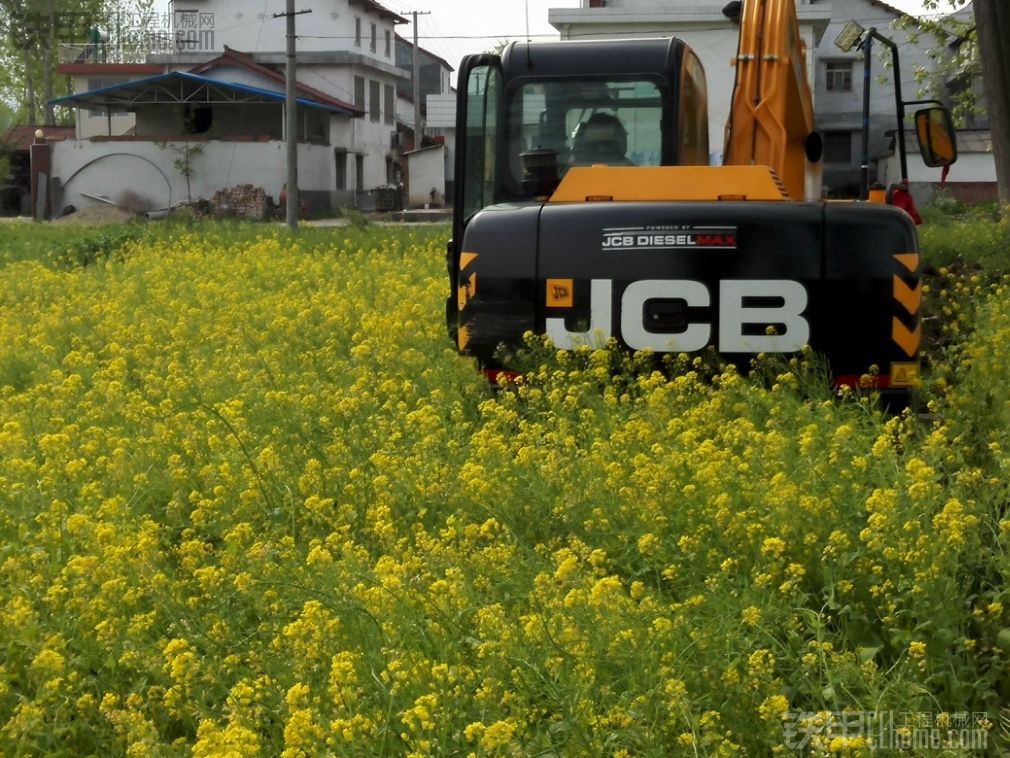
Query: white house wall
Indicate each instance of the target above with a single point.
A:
(336, 81)
(970, 167)
(145, 168)
(239, 75)
(359, 136)
(427, 173)
(251, 27)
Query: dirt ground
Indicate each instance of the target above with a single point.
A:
(96, 215)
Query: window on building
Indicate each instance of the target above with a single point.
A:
(359, 172)
(838, 76)
(340, 164)
(357, 31)
(838, 147)
(198, 119)
(389, 43)
(390, 103)
(359, 92)
(373, 100)
(374, 39)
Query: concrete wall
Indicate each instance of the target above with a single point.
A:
(971, 179)
(239, 75)
(359, 136)
(111, 168)
(427, 171)
(251, 26)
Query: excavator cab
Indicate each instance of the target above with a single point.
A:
(528, 116)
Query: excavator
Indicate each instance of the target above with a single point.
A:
(585, 209)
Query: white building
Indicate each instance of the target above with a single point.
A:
(438, 112)
(195, 132)
(347, 74)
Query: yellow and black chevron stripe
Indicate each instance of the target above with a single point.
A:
(466, 289)
(906, 328)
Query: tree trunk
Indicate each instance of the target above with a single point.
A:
(992, 24)
(30, 105)
(49, 49)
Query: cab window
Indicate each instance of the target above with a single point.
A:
(586, 123)
(692, 127)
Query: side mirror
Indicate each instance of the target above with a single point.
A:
(937, 140)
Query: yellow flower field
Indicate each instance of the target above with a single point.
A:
(253, 503)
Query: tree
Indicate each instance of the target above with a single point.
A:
(32, 31)
(981, 49)
(992, 24)
(184, 163)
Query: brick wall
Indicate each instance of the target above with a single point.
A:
(245, 201)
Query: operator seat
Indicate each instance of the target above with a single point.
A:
(600, 139)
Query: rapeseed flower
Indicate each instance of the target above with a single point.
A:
(255, 503)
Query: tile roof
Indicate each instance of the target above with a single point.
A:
(232, 57)
(20, 138)
(888, 8)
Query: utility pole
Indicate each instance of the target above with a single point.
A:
(291, 114)
(418, 130)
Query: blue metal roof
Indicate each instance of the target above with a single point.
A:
(180, 87)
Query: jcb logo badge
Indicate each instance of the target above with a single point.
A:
(737, 322)
(560, 293)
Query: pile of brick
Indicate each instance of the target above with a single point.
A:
(245, 201)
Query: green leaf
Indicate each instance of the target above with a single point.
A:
(866, 654)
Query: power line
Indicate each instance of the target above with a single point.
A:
(443, 36)
(590, 32)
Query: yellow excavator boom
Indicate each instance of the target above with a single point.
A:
(771, 120)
